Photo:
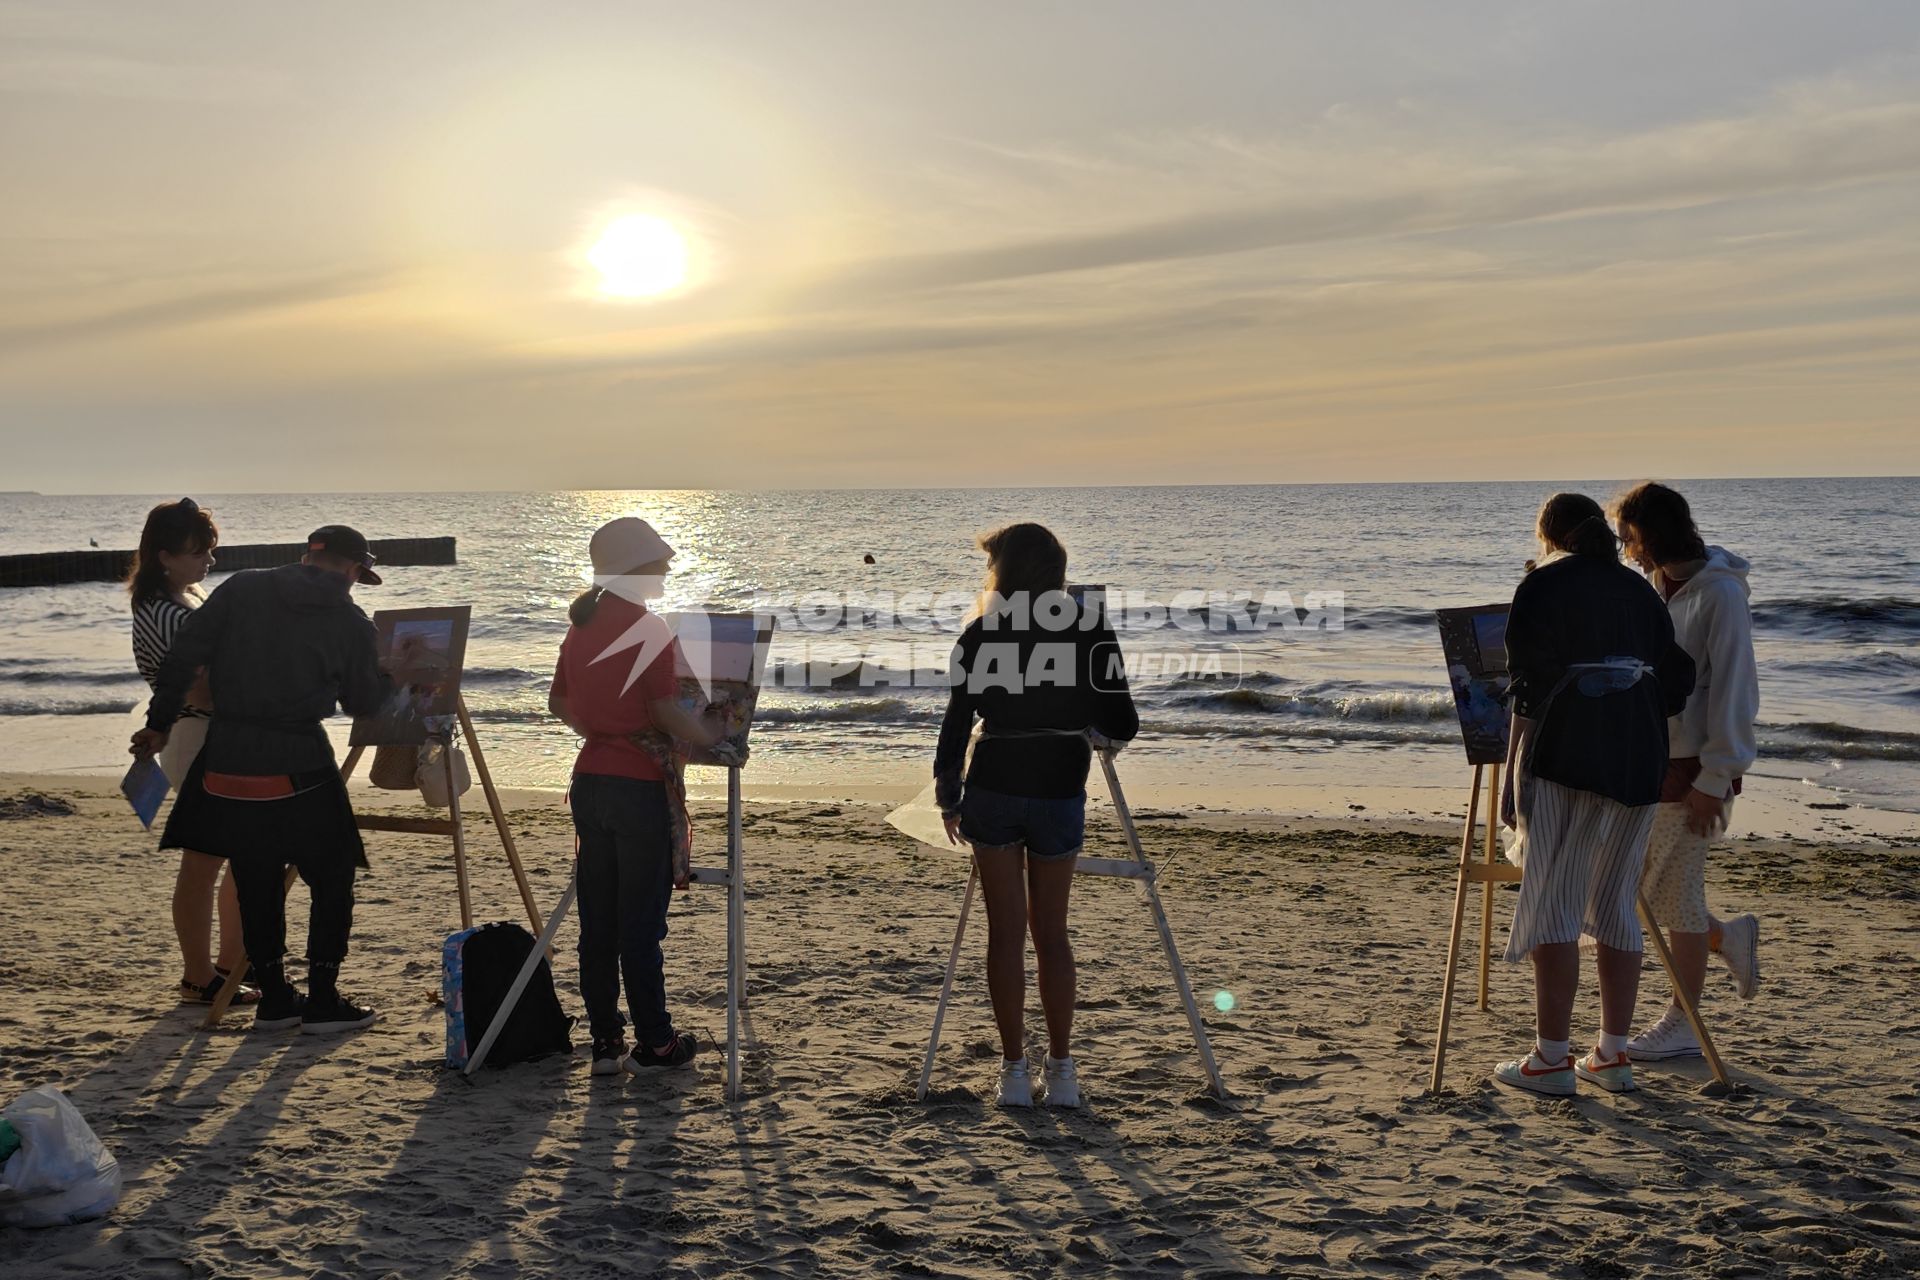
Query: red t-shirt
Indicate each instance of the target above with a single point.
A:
(605, 696)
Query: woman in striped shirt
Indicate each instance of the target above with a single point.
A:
(176, 553)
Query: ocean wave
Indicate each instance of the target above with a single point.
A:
(1881, 662)
(1368, 619)
(1829, 615)
(65, 707)
(1826, 739)
(822, 676)
(1212, 681)
(1379, 733)
(1401, 707)
(503, 675)
(87, 679)
(864, 711)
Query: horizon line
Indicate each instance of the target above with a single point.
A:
(974, 488)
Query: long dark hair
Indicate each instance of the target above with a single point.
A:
(177, 528)
(1662, 523)
(581, 611)
(1574, 522)
(1024, 557)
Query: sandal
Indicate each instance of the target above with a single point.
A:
(195, 993)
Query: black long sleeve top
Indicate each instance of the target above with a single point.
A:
(1582, 609)
(1027, 681)
(282, 648)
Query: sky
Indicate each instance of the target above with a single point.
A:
(362, 246)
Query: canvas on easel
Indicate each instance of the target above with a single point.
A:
(1474, 642)
(424, 650)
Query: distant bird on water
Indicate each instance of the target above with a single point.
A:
(868, 558)
(93, 542)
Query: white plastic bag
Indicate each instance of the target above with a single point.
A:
(920, 818)
(431, 775)
(61, 1173)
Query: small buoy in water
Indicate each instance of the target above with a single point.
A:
(868, 558)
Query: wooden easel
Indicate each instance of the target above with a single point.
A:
(1491, 871)
(732, 876)
(1142, 873)
(451, 826)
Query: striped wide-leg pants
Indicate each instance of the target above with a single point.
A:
(1583, 862)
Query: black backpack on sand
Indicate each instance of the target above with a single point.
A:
(489, 960)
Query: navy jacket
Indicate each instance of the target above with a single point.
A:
(282, 648)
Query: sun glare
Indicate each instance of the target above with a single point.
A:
(640, 256)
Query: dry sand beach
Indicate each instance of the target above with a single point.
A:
(282, 1155)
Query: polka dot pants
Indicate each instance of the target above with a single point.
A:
(1675, 879)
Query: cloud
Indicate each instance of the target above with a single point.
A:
(1804, 141)
(77, 74)
(190, 309)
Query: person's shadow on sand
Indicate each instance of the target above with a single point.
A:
(149, 1127)
(460, 1172)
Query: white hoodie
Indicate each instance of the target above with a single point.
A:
(1712, 623)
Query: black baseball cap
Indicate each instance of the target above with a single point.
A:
(348, 544)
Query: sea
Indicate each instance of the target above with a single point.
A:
(1272, 631)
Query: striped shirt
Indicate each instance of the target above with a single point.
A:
(155, 623)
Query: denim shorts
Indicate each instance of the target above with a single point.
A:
(1050, 827)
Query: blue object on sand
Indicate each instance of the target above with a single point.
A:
(145, 787)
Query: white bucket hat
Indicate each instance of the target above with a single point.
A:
(621, 546)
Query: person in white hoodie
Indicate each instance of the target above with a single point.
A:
(1710, 745)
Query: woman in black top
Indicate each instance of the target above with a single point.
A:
(1595, 675)
(1040, 671)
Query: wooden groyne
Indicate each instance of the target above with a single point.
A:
(54, 568)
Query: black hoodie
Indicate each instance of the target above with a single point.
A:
(281, 648)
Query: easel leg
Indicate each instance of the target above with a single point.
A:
(1152, 892)
(1687, 1004)
(499, 812)
(1453, 939)
(736, 843)
(735, 975)
(231, 988)
(459, 840)
(1486, 890)
(539, 950)
(946, 984)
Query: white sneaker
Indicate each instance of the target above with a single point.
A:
(1671, 1037)
(1536, 1076)
(1016, 1084)
(1063, 1088)
(1740, 948)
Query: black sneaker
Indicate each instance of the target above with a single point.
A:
(607, 1052)
(279, 1010)
(338, 1014)
(680, 1051)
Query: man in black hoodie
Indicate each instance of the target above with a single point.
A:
(281, 648)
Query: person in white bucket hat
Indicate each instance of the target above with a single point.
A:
(630, 558)
(615, 686)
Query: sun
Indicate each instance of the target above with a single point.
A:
(640, 255)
